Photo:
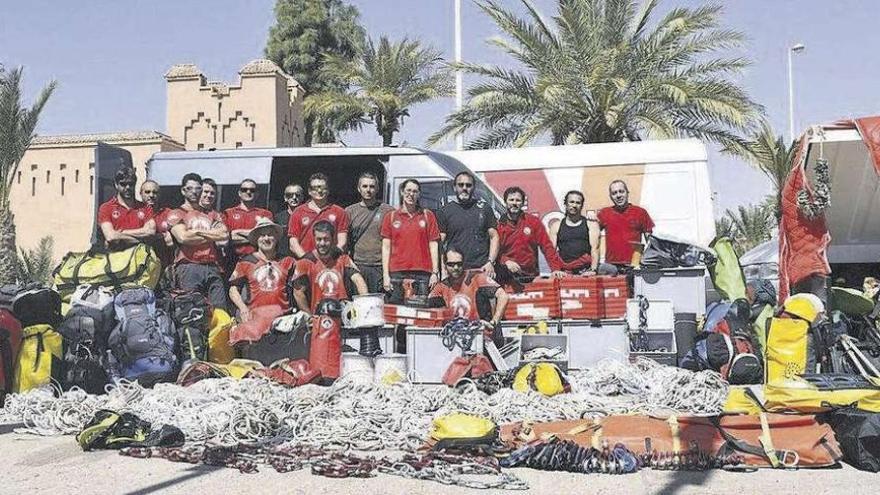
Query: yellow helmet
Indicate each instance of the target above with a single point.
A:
(545, 378)
(461, 426)
(804, 306)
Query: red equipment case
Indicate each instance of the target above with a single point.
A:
(539, 300)
(593, 298)
(419, 317)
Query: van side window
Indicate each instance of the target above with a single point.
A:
(434, 194)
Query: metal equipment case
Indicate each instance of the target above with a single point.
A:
(685, 287)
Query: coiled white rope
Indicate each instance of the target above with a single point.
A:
(364, 416)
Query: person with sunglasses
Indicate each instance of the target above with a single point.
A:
(123, 220)
(471, 226)
(294, 195)
(469, 293)
(305, 216)
(196, 233)
(243, 217)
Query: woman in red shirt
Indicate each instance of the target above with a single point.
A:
(410, 240)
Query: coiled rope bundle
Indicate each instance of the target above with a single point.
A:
(365, 416)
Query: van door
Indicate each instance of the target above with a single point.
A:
(436, 191)
(108, 159)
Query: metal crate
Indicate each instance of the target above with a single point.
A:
(427, 359)
(659, 314)
(658, 339)
(590, 342)
(529, 342)
(685, 287)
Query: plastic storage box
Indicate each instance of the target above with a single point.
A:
(515, 328)
(590, 342)
(685, 287)
(538, 300)
(427, 359)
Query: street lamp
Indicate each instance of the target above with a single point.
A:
(459, 83)
(793, 49)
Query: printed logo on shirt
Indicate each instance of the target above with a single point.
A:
(328, 282)
(326, 323)
(527, 231)
(236, 216)
(396, 224)
(331, 217)
(116, 214)
(461, 306)
(268, 277)
(422, 223)
(141, 215)
(198, 222)
(306, 220)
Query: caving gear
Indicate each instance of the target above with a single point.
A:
(545, 378)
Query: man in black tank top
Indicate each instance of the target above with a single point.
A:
(576, 237)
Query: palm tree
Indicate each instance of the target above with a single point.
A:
(748, 226)
(35, 265)
(17, 126)
(768, 152)
(385, 79)
(603, 71)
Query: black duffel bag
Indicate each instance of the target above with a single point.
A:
(668, 252)
(32, 304)
(858, 433)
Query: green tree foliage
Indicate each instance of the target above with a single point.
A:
(747, 227)
(36, 265)
(385, 79)
(305, 31)
(17, 126)
(769, 153)
(606, 70)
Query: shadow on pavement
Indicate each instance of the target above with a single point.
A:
(10, 428)
(192, 472)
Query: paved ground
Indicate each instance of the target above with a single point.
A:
(57, 465)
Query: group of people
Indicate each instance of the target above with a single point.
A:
(314, 250)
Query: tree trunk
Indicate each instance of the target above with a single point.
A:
(8, 254)
(387, 138)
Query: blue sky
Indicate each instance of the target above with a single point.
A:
(109, 57)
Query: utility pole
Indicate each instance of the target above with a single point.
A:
(459, 80)
(792, 50)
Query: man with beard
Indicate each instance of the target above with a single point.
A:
(576, 237)
(196, 232)
(521, 235)
(294, 195)
(364, 240)
(325, 273)
(469, 293)
(241, 218)
(161, 241)
(125, 221)
(469, 226)
(624, 225)
(305, 216)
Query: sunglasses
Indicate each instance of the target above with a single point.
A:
(247, 189)
(126, 184)
(317, 188)
(293, 195)
(454, 263)
(465, 185)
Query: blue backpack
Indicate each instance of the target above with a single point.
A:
(143, 345)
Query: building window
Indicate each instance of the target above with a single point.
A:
(47, 176)
(63, 166)
(34, 186)
(76, 176)
(19, 176)
(63, 179)
(200, 146)
(91, 185)
(238, 144)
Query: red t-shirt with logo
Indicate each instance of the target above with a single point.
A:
(123, 218)
(304, 217)
(205, 253)
(462, 297)
(410, 235)
(519, 241)
(324, 278)
(238, 217)
(622, 228)
(267, 280)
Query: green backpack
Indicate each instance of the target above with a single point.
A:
(727, 275)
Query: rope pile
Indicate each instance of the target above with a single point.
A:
(365, 416)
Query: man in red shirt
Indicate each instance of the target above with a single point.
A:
(305, 216)
(161, 241)
(520, 236)
(125, 221)
(468, 293)
(326, 272)
(265, 274)
(241, 218)
(624, 225)
(196, 232)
